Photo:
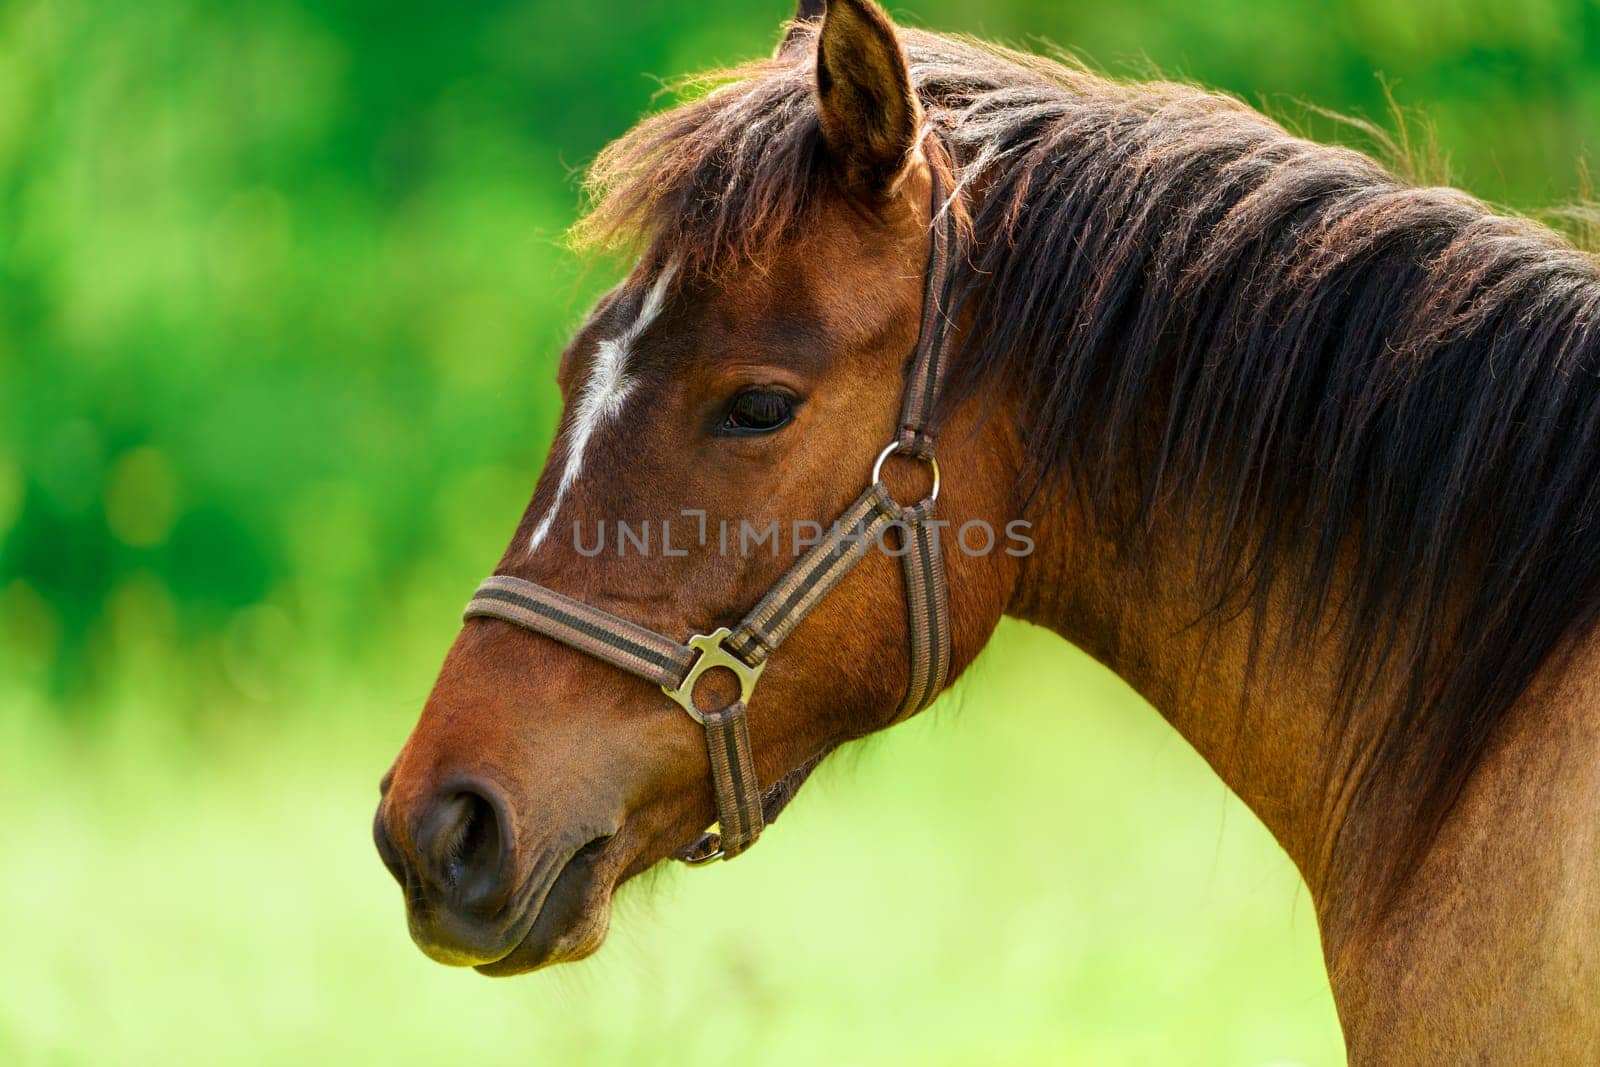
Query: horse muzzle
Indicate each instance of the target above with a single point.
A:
(471, 903)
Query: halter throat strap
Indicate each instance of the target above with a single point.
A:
(743, 807)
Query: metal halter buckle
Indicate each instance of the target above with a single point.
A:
(714, 655)
(895, 447)
(707, 848)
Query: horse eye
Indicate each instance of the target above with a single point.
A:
(757, 411)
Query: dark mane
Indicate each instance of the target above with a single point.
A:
(1389, 391)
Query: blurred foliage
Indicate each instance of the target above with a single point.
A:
(281, 283)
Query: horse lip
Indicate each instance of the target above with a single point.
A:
(486, 945)
(572, 890)
(445, 950)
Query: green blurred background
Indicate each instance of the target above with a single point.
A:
(281, 290)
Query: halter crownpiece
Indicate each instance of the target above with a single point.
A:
(743, 809)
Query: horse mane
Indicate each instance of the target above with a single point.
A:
(1387, 391)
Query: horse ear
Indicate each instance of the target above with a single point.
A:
(870, 115)
(807, 14)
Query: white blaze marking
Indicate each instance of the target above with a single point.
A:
(603, 396)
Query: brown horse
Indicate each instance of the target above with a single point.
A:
(1308, 456)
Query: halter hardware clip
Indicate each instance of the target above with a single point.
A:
(714, 654)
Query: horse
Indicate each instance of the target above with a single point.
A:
(1303, 452)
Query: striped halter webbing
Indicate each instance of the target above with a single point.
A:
(743, 808)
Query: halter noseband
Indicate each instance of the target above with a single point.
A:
(743, 809)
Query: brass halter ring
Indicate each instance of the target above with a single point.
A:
(896, 446)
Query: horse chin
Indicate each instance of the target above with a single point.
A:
(571, 925)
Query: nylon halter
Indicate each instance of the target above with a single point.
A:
(743, 808)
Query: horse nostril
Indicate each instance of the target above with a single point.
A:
(464, 844)
(476, 845)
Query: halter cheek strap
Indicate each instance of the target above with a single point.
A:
(743, 808)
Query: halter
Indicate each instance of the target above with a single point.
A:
(743, 809)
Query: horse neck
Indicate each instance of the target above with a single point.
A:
(1263, 718)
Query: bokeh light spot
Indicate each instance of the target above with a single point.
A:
(141, 497)
(10, 495)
